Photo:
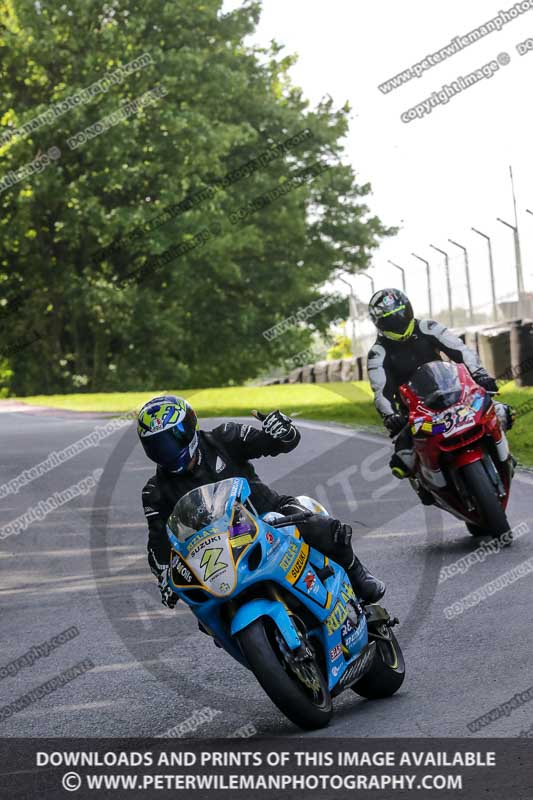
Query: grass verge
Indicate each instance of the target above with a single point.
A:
(349, 403)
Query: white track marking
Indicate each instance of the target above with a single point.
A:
(354, 434)
(393, 535)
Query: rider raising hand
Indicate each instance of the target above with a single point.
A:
(188, 458)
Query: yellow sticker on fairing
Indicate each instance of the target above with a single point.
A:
(290, 555)
(299, 565)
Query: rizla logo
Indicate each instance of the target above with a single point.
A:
(211, 563)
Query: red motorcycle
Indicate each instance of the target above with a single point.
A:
(463, 458)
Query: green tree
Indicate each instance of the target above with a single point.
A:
(341, 348)
(116, 318)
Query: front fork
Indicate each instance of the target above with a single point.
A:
(493, 474)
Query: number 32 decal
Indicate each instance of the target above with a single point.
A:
(461, 417)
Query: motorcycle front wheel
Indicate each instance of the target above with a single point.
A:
(299, 691)
(493, 516)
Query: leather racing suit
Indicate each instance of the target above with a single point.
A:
(391, 363)
(225, 452)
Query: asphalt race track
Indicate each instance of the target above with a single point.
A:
(84, 565)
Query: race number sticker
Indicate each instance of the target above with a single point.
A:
(211, 559)
(457, 419)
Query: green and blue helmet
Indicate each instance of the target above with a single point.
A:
(392, 314)
(168, 430)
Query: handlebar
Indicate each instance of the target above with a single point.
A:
(292, 519)
(395, 435)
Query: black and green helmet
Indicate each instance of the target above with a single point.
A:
(392, 314)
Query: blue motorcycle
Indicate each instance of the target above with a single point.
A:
(279, 607)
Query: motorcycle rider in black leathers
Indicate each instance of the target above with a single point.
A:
(404, 344)
(188, 458)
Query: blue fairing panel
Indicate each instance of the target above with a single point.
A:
(267, 608)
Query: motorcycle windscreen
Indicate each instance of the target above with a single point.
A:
(199, 508)
(437, 384)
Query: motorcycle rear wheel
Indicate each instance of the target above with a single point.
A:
(387, 672)
(307, 709)
(488, 503)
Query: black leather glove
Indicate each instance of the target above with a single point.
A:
(485, 381)
(279, 426)
(342, 534)
(168, 597)
(394, 424)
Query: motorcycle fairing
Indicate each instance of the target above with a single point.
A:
(214, 554)
(277, 557)
(447, 440)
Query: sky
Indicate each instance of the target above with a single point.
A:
(437, 176)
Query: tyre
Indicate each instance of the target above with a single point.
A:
(480, 487)
(309, 708)
(387, 672)
(475, 530)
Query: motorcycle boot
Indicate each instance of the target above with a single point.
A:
(366, 587)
